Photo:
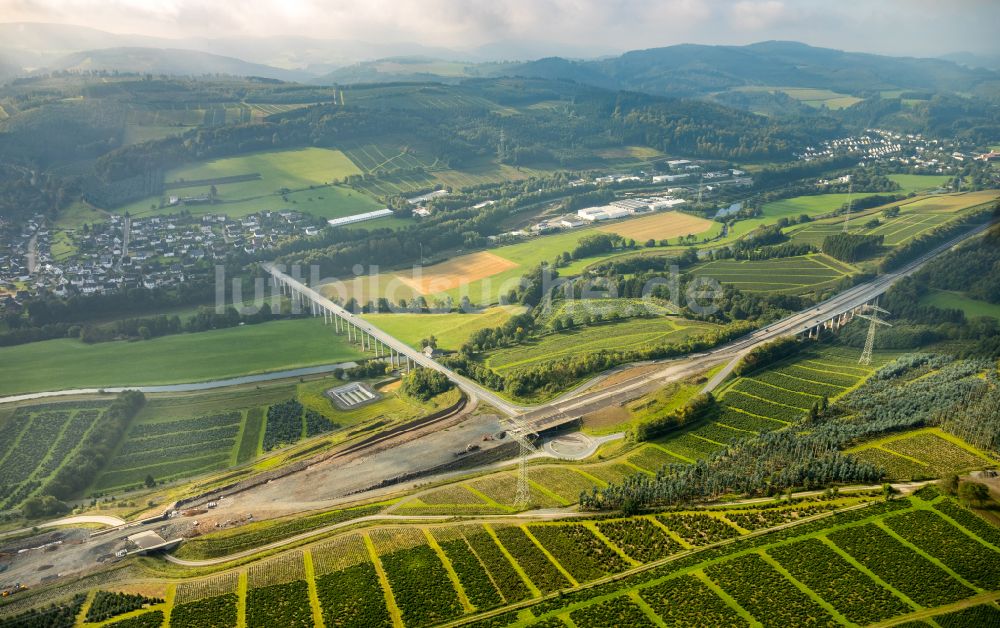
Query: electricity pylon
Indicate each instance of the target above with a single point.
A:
(522, 434)
(866, 355)
(850, 200)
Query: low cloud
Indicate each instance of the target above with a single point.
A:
(921, 27)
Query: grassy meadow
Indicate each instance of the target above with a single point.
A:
(300, 169)
(219, 354)
(451, 330)
(811, 96)
(919, 182)
(957, 301)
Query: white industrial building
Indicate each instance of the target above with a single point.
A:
(604, 212)
(669, 178)
(569, 221)
(423, 198)
(665, 202)
(626, 207)
(350, 220)
(631, 204)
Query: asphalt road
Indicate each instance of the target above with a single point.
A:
(471, 388)
(191, 387)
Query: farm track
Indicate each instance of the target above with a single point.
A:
(539, 515)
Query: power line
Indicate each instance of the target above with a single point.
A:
(522, 434)
(850, 201)
(866, 355)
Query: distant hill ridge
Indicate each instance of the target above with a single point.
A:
(169, 61)
(684, 70)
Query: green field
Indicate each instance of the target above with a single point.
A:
(136, 134)
(919, 182)
(77, 215)
(294, 170)
(811, 96)
(811, 205)
(332, 201)
(451, 330)
(794, 275)
(954, 300)
(916, 217)
(278, 345)
(628, 334)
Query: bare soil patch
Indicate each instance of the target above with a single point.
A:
(455, 272)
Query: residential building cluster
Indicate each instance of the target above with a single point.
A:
(909, 150)
(126, 252)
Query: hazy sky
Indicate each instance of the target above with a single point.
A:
(911, 27)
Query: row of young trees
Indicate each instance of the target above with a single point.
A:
(701, 408)
(79, 471)
(767, 354)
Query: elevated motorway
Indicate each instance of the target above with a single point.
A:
(567, 408)
(833, 309)
(384, 345)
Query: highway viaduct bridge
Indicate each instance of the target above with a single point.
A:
(830, 314)
(371, 338)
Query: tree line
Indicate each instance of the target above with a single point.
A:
(852, 247)
(80, 470)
